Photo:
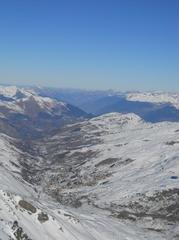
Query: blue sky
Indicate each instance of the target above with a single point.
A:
(96, 44)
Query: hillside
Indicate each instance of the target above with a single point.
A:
(111, 177)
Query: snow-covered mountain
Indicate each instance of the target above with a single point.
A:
(13, 92)
(24, 113)
(114, 176)
(151, 106)
(111, 177)
(155, 97)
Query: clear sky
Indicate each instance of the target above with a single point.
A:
(97, 44)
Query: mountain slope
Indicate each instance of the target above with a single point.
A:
(155, 97)
(114, 176)
(116, 166)
(28, 213)
(151, 106)
(29, 115)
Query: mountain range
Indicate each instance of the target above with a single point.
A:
(25, 114)
(151, 106)
(111, 172)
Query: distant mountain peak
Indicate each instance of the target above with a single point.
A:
(23, 111)
(15, 93)
(155, 97)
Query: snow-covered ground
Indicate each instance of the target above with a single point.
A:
(13, 91)
(22, 222)
(112, 177)
(21, 97)
(121, 169)
(155, 97)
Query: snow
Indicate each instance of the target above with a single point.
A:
(11, 91)
(45, 103)
(154, 161)
(155, 97)
(19, 105)
(61, 224)
(112, 121)
(153, 154)
(88, 223)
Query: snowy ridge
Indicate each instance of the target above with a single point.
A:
(25, 114)
(43, 103)
(116, 120)
(9, 91)
(27, 95)
(13, 91)
(155, 97)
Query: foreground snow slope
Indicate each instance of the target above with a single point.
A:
(21, 207)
